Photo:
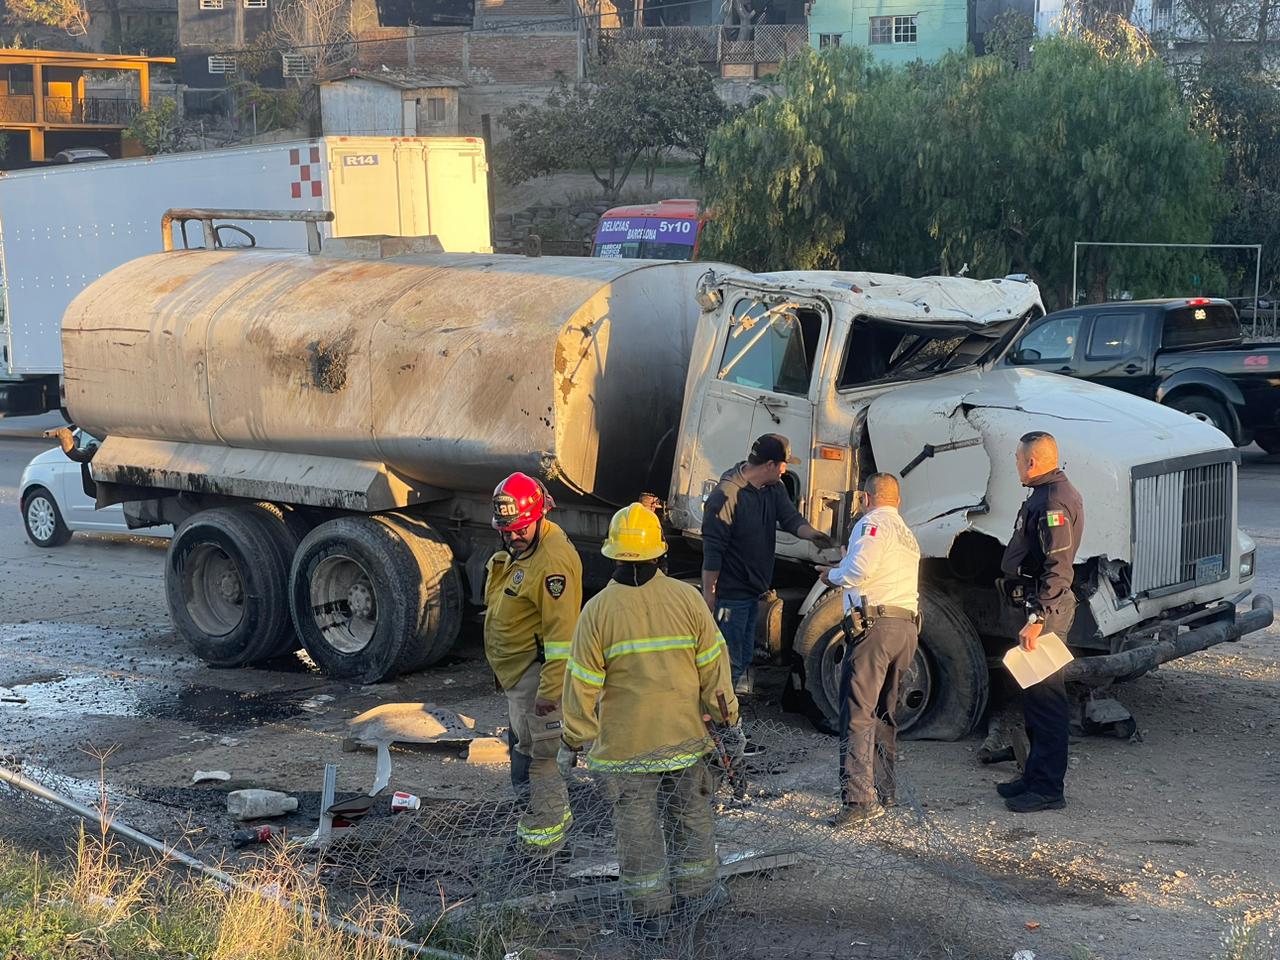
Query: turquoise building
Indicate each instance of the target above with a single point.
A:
(895, 31)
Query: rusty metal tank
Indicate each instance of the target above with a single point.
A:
(452, 370)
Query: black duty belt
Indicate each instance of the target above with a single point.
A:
(883, 612)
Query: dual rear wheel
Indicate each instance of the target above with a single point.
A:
(368, 597)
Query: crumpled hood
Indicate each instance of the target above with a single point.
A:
(1102, 433)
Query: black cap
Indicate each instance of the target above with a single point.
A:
(771, 448)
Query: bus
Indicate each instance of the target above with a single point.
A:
(667, 230)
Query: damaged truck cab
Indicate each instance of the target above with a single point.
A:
(325, 429)
(867, 372)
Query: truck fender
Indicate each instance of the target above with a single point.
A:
(1203, 380)
(811, 599)
(1200, 379)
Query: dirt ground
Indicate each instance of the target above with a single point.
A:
(1164, 842)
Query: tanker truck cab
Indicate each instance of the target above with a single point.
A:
(868, 372)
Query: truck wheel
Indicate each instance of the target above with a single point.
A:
(288, 527)
(943, 694)
(43, 519)
(445, 600)
(1207, 410)
(1268, 440)
(226, 582)
(360, 601)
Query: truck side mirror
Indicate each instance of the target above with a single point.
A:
(1025, 355)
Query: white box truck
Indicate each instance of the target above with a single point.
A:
(63, 227)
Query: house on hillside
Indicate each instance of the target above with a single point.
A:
(46, 107)
(389, 104)
(894, 31)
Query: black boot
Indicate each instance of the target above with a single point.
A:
(520, 763)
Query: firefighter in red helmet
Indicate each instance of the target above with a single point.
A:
(533, 593)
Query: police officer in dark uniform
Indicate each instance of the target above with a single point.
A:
(1040, 560)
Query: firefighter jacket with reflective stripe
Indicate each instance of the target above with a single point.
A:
(532, 605)
(652, 660)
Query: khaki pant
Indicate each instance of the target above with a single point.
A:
(665, 830)
(544, 825)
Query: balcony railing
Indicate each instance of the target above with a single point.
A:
(17, 109)
(766, 43)
(108, 111)
(90, 110)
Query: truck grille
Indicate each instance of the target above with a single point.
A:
(1183, 522)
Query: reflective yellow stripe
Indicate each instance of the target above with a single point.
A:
(585, 675)
(645, 883)
(545, 836)
(556, 651)
(694, 868)
(677, 761)
(649, 645)
(710, 656)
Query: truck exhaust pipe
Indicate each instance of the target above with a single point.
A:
(1140, 660)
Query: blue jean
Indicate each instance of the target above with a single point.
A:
(737, 622)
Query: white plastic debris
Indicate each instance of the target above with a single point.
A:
(1024, 955)
(210, 776)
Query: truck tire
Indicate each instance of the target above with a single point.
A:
(1208, 410)
(288, 527)
(944, 693)
(445, 599)
(227, 586)
(1268, 440)
(360, 601)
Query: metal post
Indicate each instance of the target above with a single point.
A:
(1257, 277)
(1075, 270)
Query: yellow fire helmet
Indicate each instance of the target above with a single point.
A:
(635, 535)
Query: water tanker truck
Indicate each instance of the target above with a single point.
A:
(325, 431)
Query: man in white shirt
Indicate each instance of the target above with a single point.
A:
(880, 575)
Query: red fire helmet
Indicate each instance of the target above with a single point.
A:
(519, 501)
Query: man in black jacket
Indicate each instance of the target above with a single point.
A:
(1042, 552)
(740, 524)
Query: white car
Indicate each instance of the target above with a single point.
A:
(54, 504)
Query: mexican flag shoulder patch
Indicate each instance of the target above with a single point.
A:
(1056, 518)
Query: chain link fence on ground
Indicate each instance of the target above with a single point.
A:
(786, 883)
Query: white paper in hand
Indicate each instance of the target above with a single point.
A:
(1049, 656)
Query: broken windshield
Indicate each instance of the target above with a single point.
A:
(885, 350)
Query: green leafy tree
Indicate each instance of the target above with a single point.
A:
(160, 129)
(968, 161)
(69, 15)
(640, 104)
(1237, 101)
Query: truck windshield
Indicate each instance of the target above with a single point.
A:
(884, 351)
(1198, 326)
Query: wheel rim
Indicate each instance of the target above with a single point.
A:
(42, 518)
(213, 589)
(344, 603)
(1202, 417)
(915, 687)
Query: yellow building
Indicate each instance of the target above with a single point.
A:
(43, 100)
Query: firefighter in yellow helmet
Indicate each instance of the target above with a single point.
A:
(533, 593)
(647, 662)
